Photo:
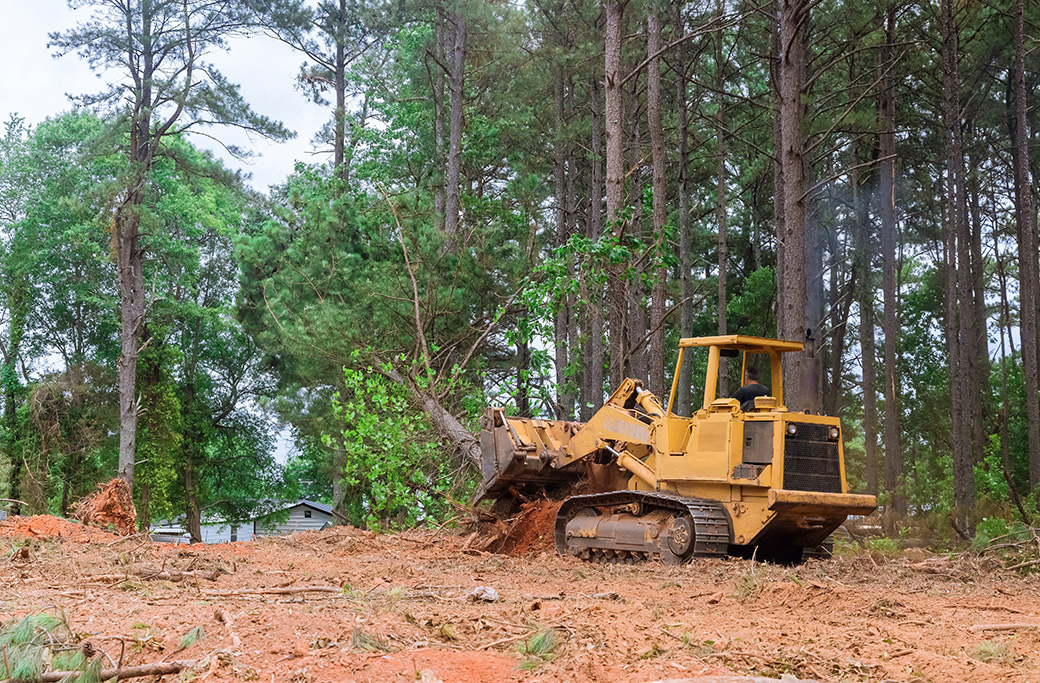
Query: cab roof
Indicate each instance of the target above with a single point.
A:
(743, 342)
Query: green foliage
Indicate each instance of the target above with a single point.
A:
(395, 473)
(992, 651)
(41, 642)
(194, 635)
(538, 649)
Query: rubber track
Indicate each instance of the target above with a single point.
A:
(710, 523)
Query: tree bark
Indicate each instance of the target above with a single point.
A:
(592, 355)
(660, 207)
(615, 159)
(685, 389)
(1005, 400)
(963, 357)
(868, 352)
(193, 438)
(635, 289)
(130, 267)
(130, 255)
(453, 202)
(446, 424)
(571, 217)
(840, 304)
(18, 309)
(561, 322)
(340, 77)
(439, 199)
(792, 294)
(523, 386)
(1029, 285)
(890, 322)
(720, 199)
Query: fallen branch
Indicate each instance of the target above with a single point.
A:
(225, 617)
(159, 669)
(503, 641)
(14, 501)
(275, 591)
(152, 575)
(1001, 627)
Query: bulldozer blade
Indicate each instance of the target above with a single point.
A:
(516, 458)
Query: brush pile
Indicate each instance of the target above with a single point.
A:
(111, 504)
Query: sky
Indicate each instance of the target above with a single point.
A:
(34, 84)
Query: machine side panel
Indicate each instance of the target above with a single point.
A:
(758, 442)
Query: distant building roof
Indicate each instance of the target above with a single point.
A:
(327, 509)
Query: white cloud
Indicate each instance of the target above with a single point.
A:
(34, 85)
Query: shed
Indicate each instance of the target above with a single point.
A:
(303, 515)
(212, 532)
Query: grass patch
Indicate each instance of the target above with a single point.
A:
(194, 635)
(538, 649)
(360, 640)
(992, 651)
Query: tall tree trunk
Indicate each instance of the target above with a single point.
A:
(130, 267)
(561, 321)
(868, 352)
(792, 295)
(980, 381)
(571, 222)
(615, 158)
(636, 294)
(18, 310)
(339, 160)
(890, 322)
(840, 304)
(592, 353)
(193, 438)
(960, 289)
(440, 42)
(775, 60)
(720, 197)
(684, 399)
(1005, 400)
(523, 384)
(130, 256)
(453, 203)
(1027, 249)
(660, 206)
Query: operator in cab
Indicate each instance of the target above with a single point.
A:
(752, 389)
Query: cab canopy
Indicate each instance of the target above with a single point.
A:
(731, 345)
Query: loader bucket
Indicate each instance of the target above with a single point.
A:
(517, 455)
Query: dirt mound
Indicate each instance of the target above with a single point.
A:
(532, 529)
(46, 526)
(112, 504)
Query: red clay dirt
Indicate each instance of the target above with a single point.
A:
(401, 608)
(112, 504)
(531, 531)
(45, 526)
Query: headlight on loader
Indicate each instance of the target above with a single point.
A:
(792, 429)
(834, 433)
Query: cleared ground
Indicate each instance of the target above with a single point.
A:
(348, 605)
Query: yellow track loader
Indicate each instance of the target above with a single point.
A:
(752, 480)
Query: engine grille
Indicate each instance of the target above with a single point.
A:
(811, 460)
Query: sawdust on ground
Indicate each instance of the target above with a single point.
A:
(402, 608)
